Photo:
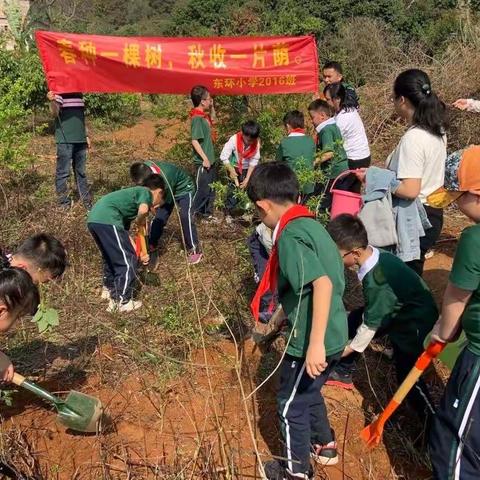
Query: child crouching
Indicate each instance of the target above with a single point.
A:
(109, 223)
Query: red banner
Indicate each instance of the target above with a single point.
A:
(225, 65)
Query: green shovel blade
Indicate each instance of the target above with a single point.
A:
(79, 412)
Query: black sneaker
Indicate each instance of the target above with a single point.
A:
(342, 380)
(325, 454)
(274, 470)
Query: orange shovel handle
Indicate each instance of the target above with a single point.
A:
(372, 433)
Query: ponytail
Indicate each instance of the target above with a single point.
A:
(430, 112)
(339, 91)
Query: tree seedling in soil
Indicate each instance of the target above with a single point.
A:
(46, 317)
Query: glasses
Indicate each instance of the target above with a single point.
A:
(348, 253)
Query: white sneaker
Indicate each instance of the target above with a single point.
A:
(105, 295)
(129, 306)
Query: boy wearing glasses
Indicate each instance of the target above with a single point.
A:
(397, 302)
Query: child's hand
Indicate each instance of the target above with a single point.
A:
(461, 104)
(6, 368)
(244, 184)
(145, 259)
(315, 361)
(206, 164)
(50, 96)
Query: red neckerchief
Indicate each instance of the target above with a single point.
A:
(297, 130)
(197, 112)
(244, 153)
(268, 283)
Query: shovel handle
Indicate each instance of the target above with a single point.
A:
(18, 379)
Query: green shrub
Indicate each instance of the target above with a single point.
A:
(113, 108)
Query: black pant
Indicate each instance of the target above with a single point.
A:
(189, 229)
(231, 201)
(119, 260)
(203, 201)
(435, 215)
(352, 182)
(419, 396)
(455, 433)
(302, 411)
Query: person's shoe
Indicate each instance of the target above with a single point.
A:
(325, 454)
(105, 295)
(340, 380)
(118, 307)
(194, 258)
(274, 470)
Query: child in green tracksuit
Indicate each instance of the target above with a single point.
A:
(109, 223)
(297, 149)
(201, 130)
(455, 435)
(397, 303)
(307, 271)
(332, 157)
(179, 189)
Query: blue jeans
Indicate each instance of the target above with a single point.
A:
(72, 155)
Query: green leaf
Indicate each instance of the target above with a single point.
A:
(51, 316)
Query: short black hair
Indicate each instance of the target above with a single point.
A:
(139, 172)
(154, 181)
(320, 106)
(197, 94)
(46, 252)
(334, 66)
(18, 292)
(251, 129)
(348, 232)
(295, 119)
(274, 181)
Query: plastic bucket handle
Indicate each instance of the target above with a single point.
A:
(343, 174)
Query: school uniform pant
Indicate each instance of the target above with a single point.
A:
(435, 216)
(119, 260)
(72, 155)
(302, 411)
(231, 201)
(419, 396)
(455, 434)
(189, 229)
(203, 201)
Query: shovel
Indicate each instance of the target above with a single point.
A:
(372, 434)
(78, 411)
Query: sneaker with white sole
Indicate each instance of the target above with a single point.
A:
(325, 455)
(194, 258)
(274, 470)
(105, 295)
(126, 307)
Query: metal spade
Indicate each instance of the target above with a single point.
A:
(78, 411)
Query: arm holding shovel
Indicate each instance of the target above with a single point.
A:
(228, 153)
(454, 302)
(6, 368)
(139, 244)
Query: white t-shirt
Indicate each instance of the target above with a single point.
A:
(420, 154)
(355, 140)
(230, 148)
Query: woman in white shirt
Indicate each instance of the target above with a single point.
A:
(347, 118)
(419, 158)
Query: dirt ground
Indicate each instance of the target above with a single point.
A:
(176, 413)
